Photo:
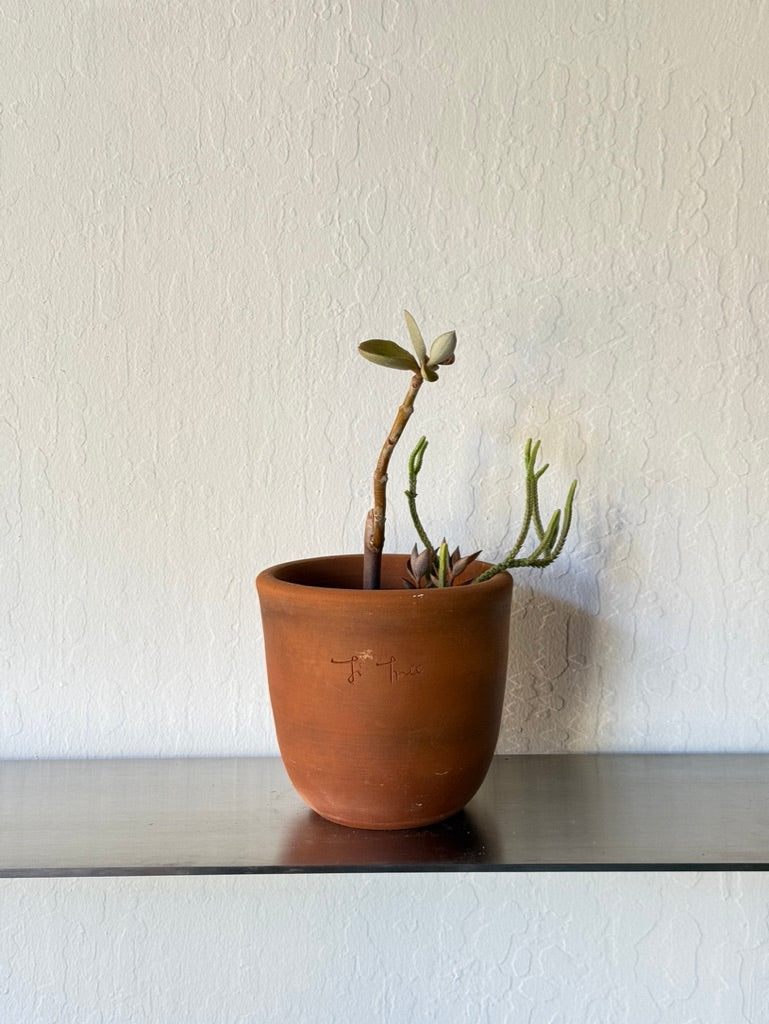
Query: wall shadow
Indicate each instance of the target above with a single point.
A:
(552, 699)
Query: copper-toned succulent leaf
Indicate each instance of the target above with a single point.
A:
(417, 566)
(416, 337)
(442, 349)
(387, 353)
(420, 562)
(460, 563)
(425, 572)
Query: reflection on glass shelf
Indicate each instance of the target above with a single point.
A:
(462, 840)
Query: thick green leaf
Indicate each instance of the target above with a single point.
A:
(428, 373)
(416, 338)
(387, 353)
(442, 348)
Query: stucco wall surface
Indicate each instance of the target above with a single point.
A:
(449, 949)
(204, 207)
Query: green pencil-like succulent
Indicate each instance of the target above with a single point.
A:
(550, 539)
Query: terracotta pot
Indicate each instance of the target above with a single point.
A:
(387, 703)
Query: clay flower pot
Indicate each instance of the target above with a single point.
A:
(387, 703)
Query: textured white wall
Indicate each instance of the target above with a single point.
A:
(204, 208)
(405, 949)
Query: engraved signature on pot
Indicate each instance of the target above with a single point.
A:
(394, 673)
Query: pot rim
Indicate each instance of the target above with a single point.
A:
(272, 576)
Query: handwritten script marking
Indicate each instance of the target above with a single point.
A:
(399, 673)
(352, 663)
(394, 674)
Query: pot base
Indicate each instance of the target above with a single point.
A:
(388, 801)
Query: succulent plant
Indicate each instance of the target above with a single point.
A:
(423, 368)
(426, 569)
(435, 566)
(550, 538)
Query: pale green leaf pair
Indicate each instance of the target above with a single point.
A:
(387, 353)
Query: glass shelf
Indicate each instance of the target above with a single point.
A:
(571, 812)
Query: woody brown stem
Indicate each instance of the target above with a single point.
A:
(373, 540)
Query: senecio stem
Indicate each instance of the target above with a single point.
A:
(415, 465)
(373, 541)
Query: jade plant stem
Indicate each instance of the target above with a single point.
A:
(373, 540)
